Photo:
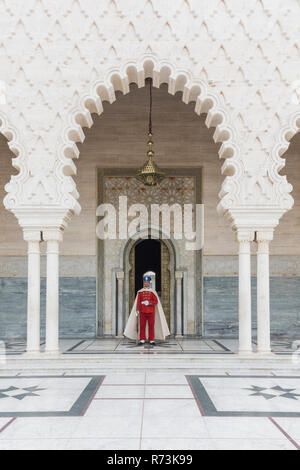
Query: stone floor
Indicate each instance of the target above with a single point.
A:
(149, 411)
(173, 346)
(234, 406)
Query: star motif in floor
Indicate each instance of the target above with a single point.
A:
(268, 393)
(10, 392)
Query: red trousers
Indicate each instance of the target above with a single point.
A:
(150, 318)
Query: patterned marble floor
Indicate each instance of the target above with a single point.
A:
(150, 410)
(175, 346)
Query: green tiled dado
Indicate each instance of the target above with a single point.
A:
(78, 306)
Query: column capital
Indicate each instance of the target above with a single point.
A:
(245, 235)
(35, 217)
(264, 235)
(178, 275)
(53, 234)
(32, 235)
(120, 275)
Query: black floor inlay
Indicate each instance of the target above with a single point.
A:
(62, 395)
(264, 396)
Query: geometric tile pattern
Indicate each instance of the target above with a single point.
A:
(57, 395)
(281, 392)
(27, 392)
(174, 346)
(151, 410)
(209, 345)
(228, 396)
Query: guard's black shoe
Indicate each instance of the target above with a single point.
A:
(141, 343)
(152, 343)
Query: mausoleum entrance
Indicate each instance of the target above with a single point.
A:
(123, 261)
(152, 255)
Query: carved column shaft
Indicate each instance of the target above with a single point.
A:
(263, 240)
(245, 237)
(179, 323)
(120, 281)
(33, 238)
(53, 238)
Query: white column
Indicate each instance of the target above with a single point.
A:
(120, 281)
(179, 277)
(245, 237)
(33, 238)
(53, 238)
(263, 239)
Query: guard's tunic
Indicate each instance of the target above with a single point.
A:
(147, 313)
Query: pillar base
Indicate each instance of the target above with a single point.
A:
(245, 352)
(265, 353)
(32, 353)
(52, 353)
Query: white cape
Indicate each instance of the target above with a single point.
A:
(161, 327)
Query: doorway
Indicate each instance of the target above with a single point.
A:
(147, 258)
(151, 255)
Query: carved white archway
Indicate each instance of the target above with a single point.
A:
(282, 143)
(236, 60)
(206, 101)
(19, 162)
(193, 89)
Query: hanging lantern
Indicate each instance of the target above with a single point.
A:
(150, 174)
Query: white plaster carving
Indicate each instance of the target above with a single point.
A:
(179, 189)
(237, 60)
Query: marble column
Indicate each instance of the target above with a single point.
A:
(179, 324)
(33, 239)
(263, 239)
(245, 237)
(120, 281)
(53, 237)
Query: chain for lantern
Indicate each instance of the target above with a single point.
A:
(150, 174)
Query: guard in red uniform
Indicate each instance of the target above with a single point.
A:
(146, 302)
(147, 309)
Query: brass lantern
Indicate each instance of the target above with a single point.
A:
(150, 174)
